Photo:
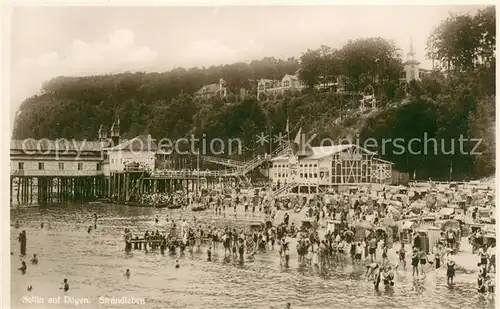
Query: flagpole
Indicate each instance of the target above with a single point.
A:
(288, 130)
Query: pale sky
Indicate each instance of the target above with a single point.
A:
(48, 42)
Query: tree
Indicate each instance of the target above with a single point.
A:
(462, 42)
(370, 61)
(310, 68)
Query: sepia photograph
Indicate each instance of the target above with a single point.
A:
(257, 156)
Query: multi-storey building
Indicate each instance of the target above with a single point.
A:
(328, 166)
(211, 90)
(273, 87)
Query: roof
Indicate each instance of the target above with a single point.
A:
(138, 143)
(31, 145)
(388, 162)
(411, 62)
(292, 77)
(320, 152)
(210, 88)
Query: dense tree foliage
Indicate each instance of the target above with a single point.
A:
(456, 102)
(448, 107)
(463, 42)
(362, 62)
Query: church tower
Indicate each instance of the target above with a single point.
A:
(411, 66)
(102, 136)
(115, 131)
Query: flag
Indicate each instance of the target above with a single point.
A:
(414, 174)
(451, 169)
(287, 129)
(298, 137)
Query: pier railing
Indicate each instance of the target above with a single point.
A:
(192, 173)
(240, 171)
(55, 173)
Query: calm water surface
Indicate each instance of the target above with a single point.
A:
(95, 263)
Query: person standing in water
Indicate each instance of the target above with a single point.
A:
(95, 221)
(23, 267)
(402, 255)
(287, 255)
(177, 265)
(209, 254)
(377, 278)
(127, 273)
(415, 260)
(65, 286)
(89, 229)
(450, 271)
(34, 260)
(241, 250)
(22, 241)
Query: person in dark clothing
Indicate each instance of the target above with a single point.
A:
(416, 241)
(209, 254)
(450, 271)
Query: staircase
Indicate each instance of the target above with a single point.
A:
(222, 161)
(250, 165)
(289, 186)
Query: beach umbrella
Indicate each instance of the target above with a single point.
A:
(454, 224)
(395, 212)
(396, 203)
(363, 225)
(388, 222)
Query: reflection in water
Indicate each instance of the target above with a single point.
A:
(95, 264)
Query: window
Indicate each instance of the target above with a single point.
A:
(98, 166)
(41, 166)
(80, 166)
(61, 166)
(20, 165)
(301, 175)
(315, 175)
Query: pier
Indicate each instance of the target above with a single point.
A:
(48, 172)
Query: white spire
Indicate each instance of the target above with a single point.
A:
(411, 54)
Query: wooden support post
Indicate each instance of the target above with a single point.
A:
(127, 186)
(18, 187)
(21, 184)
(11, 188)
